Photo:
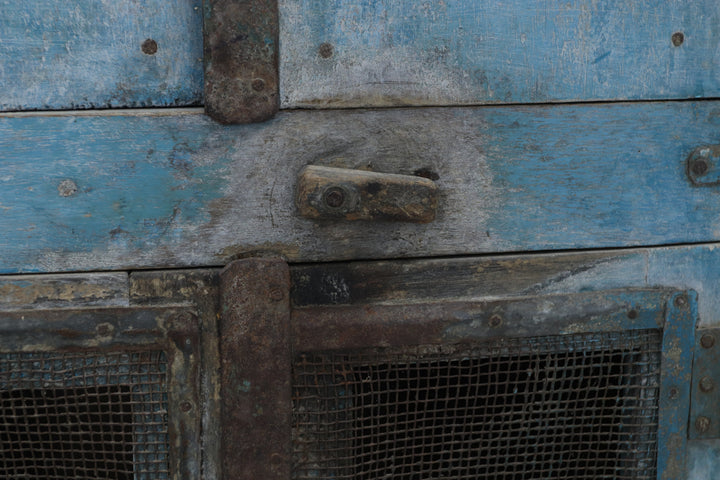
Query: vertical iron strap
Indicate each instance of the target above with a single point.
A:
(255, 370)
(241, 60)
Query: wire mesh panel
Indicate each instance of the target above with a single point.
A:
(85, 415)
(581, 406)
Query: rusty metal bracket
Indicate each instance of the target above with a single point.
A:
(241, 60)
(339, 193)
(255, 375)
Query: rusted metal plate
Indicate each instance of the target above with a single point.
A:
(340, 193)
(241, 60)
(255, 370)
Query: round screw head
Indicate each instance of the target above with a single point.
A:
(678, 38)
(149, 47)
(674, 393)
(706, 384)
(707, 341)
(186, 406)
(699, 167)
(326, 50)
(258, 84)
(632, 314)
(104, 329)
(702, 424)
(681, 301)
(495, 321)
(276, 294)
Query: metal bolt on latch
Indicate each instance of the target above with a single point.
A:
(334, 197)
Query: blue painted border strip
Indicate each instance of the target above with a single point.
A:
(675, 384)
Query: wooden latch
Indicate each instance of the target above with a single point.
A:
(339, 193)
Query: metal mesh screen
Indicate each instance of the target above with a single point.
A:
(581, 406)
(83, 416)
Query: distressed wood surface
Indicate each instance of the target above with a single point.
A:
(118, 192)
(684, 267)
(58, 55)
(499, 276)
(348, 53)
(67, 290)
(340, 53)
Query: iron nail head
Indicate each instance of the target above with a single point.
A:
(702, 424)
(495, 321)
(681, 301)
(706, 384)
(707, 341)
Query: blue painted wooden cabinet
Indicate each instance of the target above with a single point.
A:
(573, 149)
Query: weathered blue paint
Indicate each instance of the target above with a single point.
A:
(178, 190)
(58, 55)
(703, 459)
(390, 52)
(706, 385)
(676, 376)
(137, 186)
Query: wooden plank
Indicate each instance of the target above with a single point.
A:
(117, 192)
(68, 290)
(350, 53)
(466, 279)
(100, 54)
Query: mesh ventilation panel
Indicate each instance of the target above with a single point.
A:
(581, 406)
(83, 416)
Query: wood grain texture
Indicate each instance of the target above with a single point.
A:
(119, 192)
(348, 53)
(68, 290)
(468, 279)
(57, 55)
